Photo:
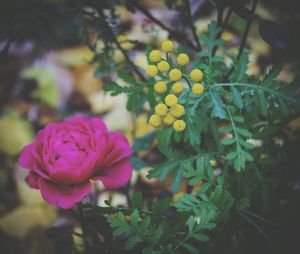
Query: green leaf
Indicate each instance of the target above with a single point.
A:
(225, 129)
(244, 132)
(200, 237)
(144, 142)
(263, 104)
(190, 248)
(231, 155)
(218, 105)
(137, 163)
(228, 141)
(272, 74)
(237, 99)
(240, 68)
(132, 242)
(177, 179)
(137, 200)
(160, 206)
(129, 79)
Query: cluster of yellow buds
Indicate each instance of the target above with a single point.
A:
(167, 113)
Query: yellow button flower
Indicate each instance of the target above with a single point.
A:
(179, 125)
(161, 109)
(177, 110)
(152, 70)
(175, 74)
(196, 75)
(183, 59)
(163, 66)
(168, 119)
(154, 56)
(160, 87)
(198, 89)
(171, 100)
(155, 121)
(177, 87)
(167, 46)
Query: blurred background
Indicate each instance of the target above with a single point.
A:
(54, 64)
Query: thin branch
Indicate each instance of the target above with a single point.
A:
(118, 44)
(246, 32)
(192, 25)
(245, 35)
(175, 34)
(260, 231)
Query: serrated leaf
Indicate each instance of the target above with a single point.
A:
(231, 155)
(200, 237)
(190, 248)
(228, 141)
(162, 205)
(246, 144)
(144, 142)
(241, 68)
(132, 242)
(225, 129)
(218, 110)
(238, 119)
(237, 99)
(247, 155)
(244, 132)
(137, 200)
(263, 104)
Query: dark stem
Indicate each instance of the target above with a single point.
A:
(117, 43)
(245, 35)
(83, 225)
(227, 17)
(220, 15)
(192, 25)
(248, 26)
(176, 35)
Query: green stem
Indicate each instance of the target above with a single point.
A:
(255, 87)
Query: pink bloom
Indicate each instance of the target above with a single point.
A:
(65, 156)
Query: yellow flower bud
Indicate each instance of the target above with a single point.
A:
(177, 87)
(175, 74)
(161, 109)
(179, 125)
(163, 66)
(167, 46)
(171, 100)
(154, 56)
(183, 59)
(160, 87)
(152, 70)
(155, 121)
(177, 110)
(198, 89)
(196, 75)
(168, 119)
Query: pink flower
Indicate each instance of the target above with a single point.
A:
(65, 156)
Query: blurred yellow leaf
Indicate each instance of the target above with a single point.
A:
(15, 132)
(23, 219)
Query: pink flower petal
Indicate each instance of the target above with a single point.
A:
(32, 180)
(63, 196)
(116, 175)
(28, 160)
(118, 149)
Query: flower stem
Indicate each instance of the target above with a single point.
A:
(83, 225)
